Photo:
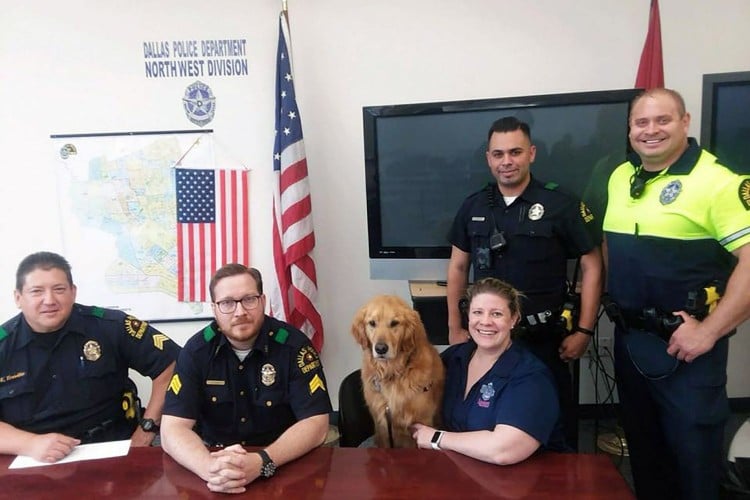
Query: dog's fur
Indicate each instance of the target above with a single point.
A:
(401, 370)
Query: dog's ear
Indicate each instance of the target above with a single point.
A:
(413, 329)
(358, 328)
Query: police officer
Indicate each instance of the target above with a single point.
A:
(64, 367)
(247, 379)
(523, 232)
(677, 227)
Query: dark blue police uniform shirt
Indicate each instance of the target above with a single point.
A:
(251, 402)
(518, 391)
(72, 380)
(543, 227)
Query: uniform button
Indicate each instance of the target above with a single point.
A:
(244, 443)
(54, 377)
(243, 420)
(268, 403)
(241, 367)
(213, 399)
(242, 393)
(12, 391)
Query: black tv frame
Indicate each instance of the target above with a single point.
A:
(712, 82)
(422, 260)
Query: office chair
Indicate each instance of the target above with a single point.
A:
(355, 421)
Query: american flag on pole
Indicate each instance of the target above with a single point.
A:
(213, 226)
(651, 67)
(294, 296)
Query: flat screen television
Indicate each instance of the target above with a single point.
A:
(422, 160)
(725, 118)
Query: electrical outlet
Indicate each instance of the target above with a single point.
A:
(606, 346)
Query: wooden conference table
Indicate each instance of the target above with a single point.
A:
(338, 473)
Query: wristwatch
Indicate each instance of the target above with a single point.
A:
(148, 425)
(268, 467)
(435, 441)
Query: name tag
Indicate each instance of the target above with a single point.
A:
(215, 382)
(477, 219)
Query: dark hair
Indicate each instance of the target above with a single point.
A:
(508, 124)
(656, 91)
(234, 269)
(41, 260)
(499, 288)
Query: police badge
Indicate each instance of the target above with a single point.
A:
(92, 350)
(267, 374)
(199, 103)
(536, 211)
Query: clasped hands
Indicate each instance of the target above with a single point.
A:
(232, 468)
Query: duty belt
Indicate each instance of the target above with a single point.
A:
(652, 320)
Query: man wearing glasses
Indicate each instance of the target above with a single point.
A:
(246, 380)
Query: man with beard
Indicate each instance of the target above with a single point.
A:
(247, 380)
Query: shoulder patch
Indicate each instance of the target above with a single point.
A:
(208, 333)
(281, 336)
(744, 193)
(551, 186)
(135, 327)
(586, 214)
(3, 333)
(307, 359)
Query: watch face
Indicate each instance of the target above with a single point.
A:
(148, 425)
(268, 469)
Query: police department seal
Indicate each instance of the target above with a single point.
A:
(670, 192)
(199, 103)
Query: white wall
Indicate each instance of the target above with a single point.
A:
(77, 66)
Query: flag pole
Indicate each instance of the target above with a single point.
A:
(284, 7)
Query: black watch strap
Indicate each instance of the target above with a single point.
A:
(268, 467)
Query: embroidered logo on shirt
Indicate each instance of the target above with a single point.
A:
(486, 393)
(670, 192)
(586, 214)
(307, 359)
(175, 385)
(135, 327)
(744, 193)
(316, 383)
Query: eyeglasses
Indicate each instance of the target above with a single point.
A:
(227, 306)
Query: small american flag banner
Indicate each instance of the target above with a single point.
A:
(213, 226)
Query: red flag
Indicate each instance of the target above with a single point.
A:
(293, 296)
(651, 67)
(213, 226)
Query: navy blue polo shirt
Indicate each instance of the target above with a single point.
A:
(518, 391)
(543, 227)
(251, 402)
(72, 380)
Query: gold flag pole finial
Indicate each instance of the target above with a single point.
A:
(283, 6)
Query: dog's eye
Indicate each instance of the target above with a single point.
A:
(394, 323)
(371, 323)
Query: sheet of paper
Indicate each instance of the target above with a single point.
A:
(81, 452)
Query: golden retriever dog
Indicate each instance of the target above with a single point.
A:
(402, 374)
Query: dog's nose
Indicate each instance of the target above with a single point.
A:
(381, 348)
